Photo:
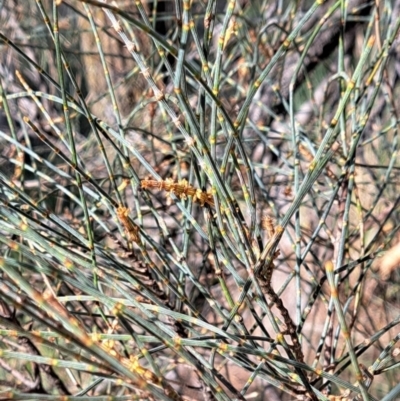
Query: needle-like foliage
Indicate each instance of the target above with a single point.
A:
(199, 200)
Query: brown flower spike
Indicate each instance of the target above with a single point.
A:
(181, 189)
(131, 229)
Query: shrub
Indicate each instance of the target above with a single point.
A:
(195, 198)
